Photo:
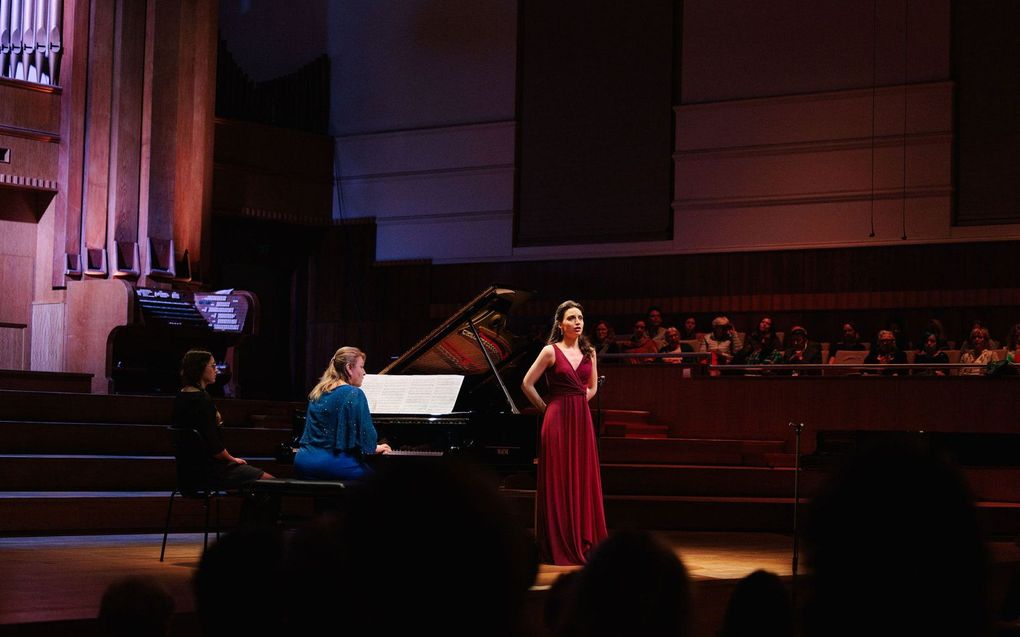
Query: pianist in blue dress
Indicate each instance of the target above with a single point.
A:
(338, 427)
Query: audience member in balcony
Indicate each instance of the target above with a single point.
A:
(673, 346)
(902, 506)
(801, 350)
(886, 353)
(990, 343)
(762, 340)
(851, 341)
(979, 354)
(633, 585)
(338, 426)
(723, 342)
(754, 352)
(895, 325)
(604, 341)
(656, 330)
(689, 329)
(934, 326)
(194, 409)
(931, 353)
(640, 344)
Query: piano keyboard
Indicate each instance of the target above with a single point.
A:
(401, 452)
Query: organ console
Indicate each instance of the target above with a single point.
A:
(144, 356)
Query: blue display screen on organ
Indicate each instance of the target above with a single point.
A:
(223, 312)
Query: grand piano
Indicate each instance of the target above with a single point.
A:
(486, 424)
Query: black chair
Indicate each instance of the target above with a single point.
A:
(194, 479)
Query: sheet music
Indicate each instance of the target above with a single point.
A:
(400, 394)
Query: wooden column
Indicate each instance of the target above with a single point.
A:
(126, 138)
(67, 205)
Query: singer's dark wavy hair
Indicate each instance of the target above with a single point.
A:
(556, 335)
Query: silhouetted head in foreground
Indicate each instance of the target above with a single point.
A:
(893, 543)
(137, 607)
(759, 606)
(633, 584)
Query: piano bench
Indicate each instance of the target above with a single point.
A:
(264, 499)
(280, 486)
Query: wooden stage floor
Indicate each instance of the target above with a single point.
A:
(62, 579)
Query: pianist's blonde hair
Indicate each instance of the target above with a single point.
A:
(336, 371)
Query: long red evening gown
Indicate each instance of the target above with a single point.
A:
(570, 518)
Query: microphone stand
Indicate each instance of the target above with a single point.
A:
(598, 410)
(797, 429)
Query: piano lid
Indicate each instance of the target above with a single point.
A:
(453, 348)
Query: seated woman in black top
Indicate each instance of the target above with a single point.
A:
(931, 353)
(194, 409)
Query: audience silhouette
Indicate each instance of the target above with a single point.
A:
(893, 544)
(633, 584)
(760, 606)
(135, 606)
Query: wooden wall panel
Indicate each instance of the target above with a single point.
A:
(48, 337)
(97, 137)
(125, 143)
(32, 108)
(762, 407)
(73, 76)
(272, 173)
(12, 345)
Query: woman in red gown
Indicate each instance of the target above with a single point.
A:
(570, 519)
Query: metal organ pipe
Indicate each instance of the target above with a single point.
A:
(30, 41)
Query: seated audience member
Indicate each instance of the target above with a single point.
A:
(895, 325)
(934, 326)
(723, 342)
(906, 508)
(755, 353)
(674, 346)
(1013, 347)
(931, 353)
(633, 584)
(689, 330)
(886, 353)
(136, 606)
(991, 343)
(851, 341)
(801, 351)
(411, 534)
(656, 330)
(194, 409)
(762, 341)
(759, 605)
(979, 354)
(640, 344)
(236, 585)
(338, 428)
(604, 339)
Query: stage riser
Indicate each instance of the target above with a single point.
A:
(133, 514)
(55, 407)
(677, 451)
(120, 439)
(101, 473)
(704, 481)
